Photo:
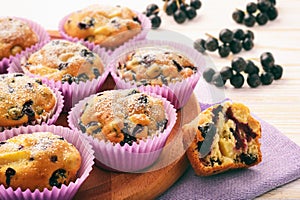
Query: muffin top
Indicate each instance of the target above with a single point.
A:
(23, 99)
(109, 26)
(37, 161)
(123, 116)
(155, 66)
(15, 36)
(65, 61)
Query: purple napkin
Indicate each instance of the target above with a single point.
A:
(280, 165)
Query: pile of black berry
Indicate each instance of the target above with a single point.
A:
(260, 12)
(179, 9)
(230, 41)
(240, 66)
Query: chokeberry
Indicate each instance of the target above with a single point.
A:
(226, 73)
(266, 78)
(208, 74)
(237, 80)
(235, 46)
(224, 50)
(171, 7)
(217, 80)
(190, 12)
(277, 70)
(261, 18)
(249, 34)
(238, 64)
(272, 13)
(155, 21)
(211, 44)
(247, 44)
(199, 45)
(152, 9)
(251, 68)
(273, 2)
(182, 7)
(267, 60)
(251, 7)
(249, 20)
(253, 80)
(196, 4)
(238, 16)
(263, 5)
(238, 34)
(226, 35)
(179, 16)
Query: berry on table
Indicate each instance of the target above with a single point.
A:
(267, 60)
(224, 50)
(179, 16)
(196, 4)
(249, 34)
(263, 5)
(211, 44)
(226, 73)
(235, 46)
(251, 7)
(199, 45)
(251, 68)
(238, 64)
(238, 34)
(247, 44)
(237, 80)
(272, 13)
(208, 74)
(249, 20)
(253, 80)
(171, 7)
(155, 21)
(266, 78)
(277, 70)
(217, 80)
(190, 12)
(238, 16)
(261, 18)
(226, 35)
(152, 9)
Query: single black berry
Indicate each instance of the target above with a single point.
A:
(155, 21)
(152, 9)
(251, 68)
(179, 16)
(224, 50)
(267, 60)
(261, 18)
(253, 80)
(196, 4)
(208, 74)
(199, 45)
(238, 64)
(238, 16)
(211, 44)
(226, 35)
(249, 34)
(171, 7)
(235, 46)
(226, 73)
(237, 80)
(277, 70)
(251, 7)
(238, 34)
(249, 20)
(263, 5)
(217, 80)
(190, 12)
(272, 13)
(266, 78)
(182, 6)
(247, 44)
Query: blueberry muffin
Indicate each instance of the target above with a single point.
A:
(223, 137)
(37, 161)
(15, 36)
(155, 66)
(61, 60)
(123, 116)
(24, 100)
(107, 26)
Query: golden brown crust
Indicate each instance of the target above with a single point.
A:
(105, 25)
(155, 66)
(223, 140)
(37, 161)
(24, 99)
(60, 58)
(15, 36)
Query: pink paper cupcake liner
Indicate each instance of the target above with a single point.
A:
(43, 39)
(66, 191)
(51, 117)
(72, 92)
(145, 22)
(126, 158)
(177, 93)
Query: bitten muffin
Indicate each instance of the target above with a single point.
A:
(123, 116)
(24, 100)
(15, 36)
(37, 161)
(107, 26)
(65, 61)
(155, 66)
(223, 137)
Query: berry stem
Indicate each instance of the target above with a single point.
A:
(178, 4)
(209, 35)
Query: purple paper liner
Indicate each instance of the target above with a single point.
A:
(145, 22)
(178, 93)
(43, 39)
(72, 92)
(48, 119)
(126, 158)
(66, 191)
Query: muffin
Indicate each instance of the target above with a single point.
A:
(224, 136)
(24, 100)
(61, 60)
(107, 26)
(127, 126)
(37, 161)
(169, 69)
(43, 162)
(15, 36)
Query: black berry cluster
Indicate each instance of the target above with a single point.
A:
(260, 13)
(152, 12)
(241, 67)
(230, 41)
